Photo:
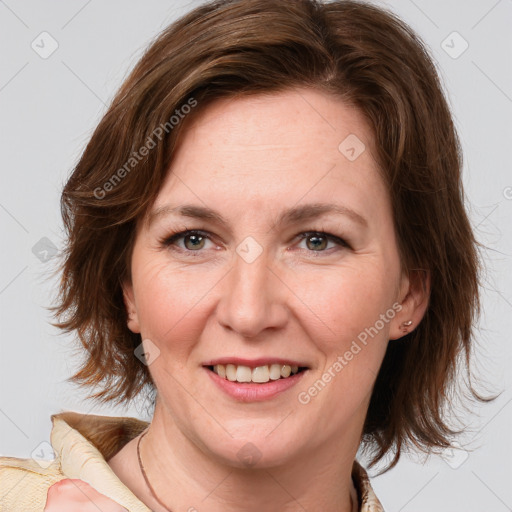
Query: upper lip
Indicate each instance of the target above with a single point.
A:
(253, 363)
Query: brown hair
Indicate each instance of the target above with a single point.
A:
(368, 58)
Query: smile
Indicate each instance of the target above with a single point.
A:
(258, 375)
(263, 387)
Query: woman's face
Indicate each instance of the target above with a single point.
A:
(265, 285)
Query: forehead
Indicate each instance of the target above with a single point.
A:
(275, 148)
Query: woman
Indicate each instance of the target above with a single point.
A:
(267, 229)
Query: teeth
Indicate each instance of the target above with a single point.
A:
(221, 370)
(230, 371)
(275, 371)
(260, 374)
(243, 374)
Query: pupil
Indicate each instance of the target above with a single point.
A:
(319, 242)
(196, 240)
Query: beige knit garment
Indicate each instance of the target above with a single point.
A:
(82, 444)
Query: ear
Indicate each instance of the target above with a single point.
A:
(131, 308)
(414, 295)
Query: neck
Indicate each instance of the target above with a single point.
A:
(184, 477)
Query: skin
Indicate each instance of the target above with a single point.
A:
(250, 159)
(79, 494)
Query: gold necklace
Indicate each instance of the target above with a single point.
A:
(144, 473)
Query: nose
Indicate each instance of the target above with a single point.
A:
(253, 298)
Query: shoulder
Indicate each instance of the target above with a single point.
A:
(82, 444)
(24, 483)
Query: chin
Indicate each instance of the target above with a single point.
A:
(256, 449)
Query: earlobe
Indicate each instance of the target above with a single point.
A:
(414, 298)
(131, 309)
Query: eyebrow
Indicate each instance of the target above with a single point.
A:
(289, 216)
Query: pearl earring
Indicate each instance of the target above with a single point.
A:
(405, 325)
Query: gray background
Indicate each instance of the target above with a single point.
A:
(49, 107)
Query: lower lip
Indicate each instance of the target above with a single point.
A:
(253, 392)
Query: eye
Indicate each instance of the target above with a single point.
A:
(317, 241)
(194, 240)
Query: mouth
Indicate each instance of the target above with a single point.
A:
(261, 374)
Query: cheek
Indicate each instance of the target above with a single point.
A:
(170, 303)
(349, 330)
(345, 302)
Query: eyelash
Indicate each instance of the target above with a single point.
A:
(173, 237)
